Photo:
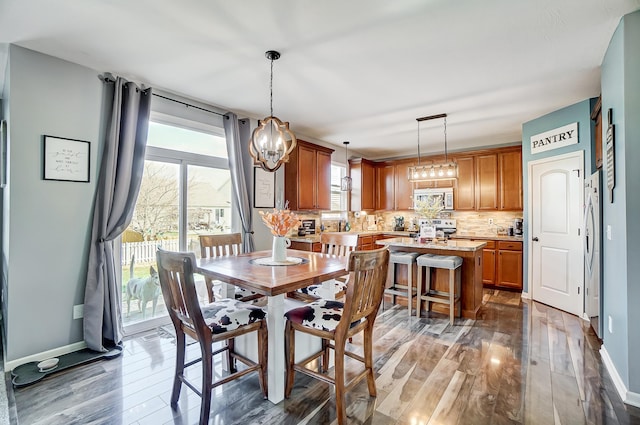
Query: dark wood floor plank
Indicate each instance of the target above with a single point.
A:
(538, 405)
(519, 363)
(566, 399)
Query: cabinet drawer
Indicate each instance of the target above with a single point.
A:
(490, 244)
(512, 246)
(306, 246)
(365, 240)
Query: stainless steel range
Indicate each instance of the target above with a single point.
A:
(446, 225)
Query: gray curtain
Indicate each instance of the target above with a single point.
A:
(118, 185)
(237, 160)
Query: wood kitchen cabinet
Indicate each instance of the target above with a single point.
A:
(366, 242)
(306, 246)
(489, 263)
(403, 187)
(307, 177)
(509, 265)
(385, 187)
(363, 184)
(486, 182)
(394, 191)
(464, 190)
(502, 264)
(510, 180)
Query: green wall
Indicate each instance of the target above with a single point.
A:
(621, 268)
(46, 223)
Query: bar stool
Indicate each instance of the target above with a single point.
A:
(394, 288)
(450, 262)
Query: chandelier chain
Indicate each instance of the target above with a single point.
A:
(271, 90)
(445, 139)
(418, 142)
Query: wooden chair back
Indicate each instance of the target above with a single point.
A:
(340, 244)
(367, 277)
(220, 245)
(175, 270)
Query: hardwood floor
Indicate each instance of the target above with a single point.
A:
(520, 363)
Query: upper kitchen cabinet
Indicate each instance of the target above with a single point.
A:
(394, 190)
(486, 182)
(489, 180)
(510, 180)
(403, 187)
(430, 184)
(464, 190)
(363, 185)
(385, 186)
(307, 177)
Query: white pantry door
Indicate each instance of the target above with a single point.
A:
(555, 208)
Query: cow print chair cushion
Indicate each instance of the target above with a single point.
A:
(316, 290)
(322, 314)
(227, 314)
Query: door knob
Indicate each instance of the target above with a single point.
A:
(535, 239)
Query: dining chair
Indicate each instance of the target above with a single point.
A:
(219, 245)
(336, 322)
(339, 244)
(220, 321)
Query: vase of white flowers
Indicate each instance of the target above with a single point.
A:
(428, 210)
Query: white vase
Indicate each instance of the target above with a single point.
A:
(279, 248)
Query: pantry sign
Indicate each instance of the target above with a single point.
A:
(554, 139)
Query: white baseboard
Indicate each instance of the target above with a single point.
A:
(627, 396)
(56, 352)
(525, 296)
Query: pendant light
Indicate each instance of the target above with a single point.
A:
(271, 141)
(345, 182)
(447, 170)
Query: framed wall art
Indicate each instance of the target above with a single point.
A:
(66, 159)
(264, 188)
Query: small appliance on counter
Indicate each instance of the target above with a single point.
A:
(517, 227)
(399, 224)
(437, 227)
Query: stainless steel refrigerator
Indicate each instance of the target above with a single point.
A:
(593, 250)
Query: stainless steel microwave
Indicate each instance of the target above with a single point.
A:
(445, 194)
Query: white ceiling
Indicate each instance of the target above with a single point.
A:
(359, 70)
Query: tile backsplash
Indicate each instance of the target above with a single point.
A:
(466, 221)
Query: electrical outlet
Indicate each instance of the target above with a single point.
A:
(78, 311)
(609, 232)
(490, 221)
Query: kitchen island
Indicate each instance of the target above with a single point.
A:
(471, 274)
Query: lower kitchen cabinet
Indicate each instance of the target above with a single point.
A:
(502, 264)
(489, 263)
(509, 268)
(366, 243)
(306, 246)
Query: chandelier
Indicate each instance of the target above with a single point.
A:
(345, 182)
(272, 141)
(444, 170)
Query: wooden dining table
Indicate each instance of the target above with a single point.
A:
(273, 281)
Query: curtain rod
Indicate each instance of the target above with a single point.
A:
(108, 78)
(188, 105)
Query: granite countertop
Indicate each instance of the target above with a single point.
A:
(485, 236)
(450, 245)
(316, 237)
